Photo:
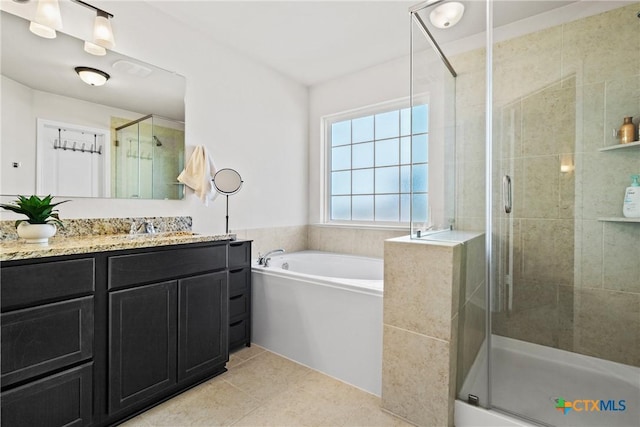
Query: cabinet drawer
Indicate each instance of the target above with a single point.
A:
(239, 254)
(157, 266)
(24, 285)
(239, 333)
(239, 281)
(63, 399)
(41, 339)
(238, 306)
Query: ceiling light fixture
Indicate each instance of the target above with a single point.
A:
(447, 14)
(47, 19)
(92, 76)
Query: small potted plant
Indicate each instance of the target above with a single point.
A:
(41, 220)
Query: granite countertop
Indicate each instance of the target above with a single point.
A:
(61, 245)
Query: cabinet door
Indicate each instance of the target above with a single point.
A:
(142, 334)
(202, 326)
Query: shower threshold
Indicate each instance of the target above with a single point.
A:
(530, 379)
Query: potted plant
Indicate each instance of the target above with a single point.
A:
(41, 220)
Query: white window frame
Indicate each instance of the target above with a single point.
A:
(327, 121)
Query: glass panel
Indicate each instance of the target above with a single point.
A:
(362, 129)
(405, 151)
(363, 181)
(405, 207)
(341, 182)
(341, 158)
(363, 155)
(387, 180)
(420, 119)
(341, 208)
(387, 152)
(341, 133)
(420, 149)
(420, 208)
(387, 125)
(405, 121)
(362, 208)
(420, 178)
(387, 208)
(405, 179)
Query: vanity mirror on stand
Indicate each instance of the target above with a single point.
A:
(227, 181)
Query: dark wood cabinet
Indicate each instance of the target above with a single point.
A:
(95, 339)
(239, 294)
(202, 332)
(142, 354)
(41, 339)
(62, 399)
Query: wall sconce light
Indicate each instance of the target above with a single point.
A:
(47, 19)
(447, 14)
(102, 31)
(94, 49)
(566, 163)
(92, 76)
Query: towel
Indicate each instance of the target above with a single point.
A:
(198, 173)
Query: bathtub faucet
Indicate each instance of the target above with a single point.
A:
(264, 259)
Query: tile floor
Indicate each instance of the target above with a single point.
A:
(261, 388)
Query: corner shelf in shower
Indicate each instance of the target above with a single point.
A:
(619, 219)
(620, 146)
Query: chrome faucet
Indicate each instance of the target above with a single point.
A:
(149, 228)
(264, 259)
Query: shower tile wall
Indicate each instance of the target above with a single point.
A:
(558, 95)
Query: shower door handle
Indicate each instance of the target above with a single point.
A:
(506, 193)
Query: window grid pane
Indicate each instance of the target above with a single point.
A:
(371, 171)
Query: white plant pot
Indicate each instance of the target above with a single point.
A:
(36, 233)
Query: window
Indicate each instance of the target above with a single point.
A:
(370, 167)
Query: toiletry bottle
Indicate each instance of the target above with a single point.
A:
(631, 205)
(627, 131)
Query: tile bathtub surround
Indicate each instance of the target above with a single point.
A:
(104, 226)
(264, 389)
(351, 240)
(291, 238)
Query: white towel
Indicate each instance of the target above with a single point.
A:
(198, 173)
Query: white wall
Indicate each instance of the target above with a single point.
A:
(249, 116)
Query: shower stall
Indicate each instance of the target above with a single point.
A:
(552, 335)
(149, 155)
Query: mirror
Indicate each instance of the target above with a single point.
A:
(126, 137)
(227, 181)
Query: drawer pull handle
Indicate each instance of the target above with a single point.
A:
(236, 297)
(236, 323)
(237, 270)
(236, 244)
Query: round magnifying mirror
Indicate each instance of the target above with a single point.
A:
(227, 181)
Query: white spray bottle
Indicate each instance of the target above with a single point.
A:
(631, 205)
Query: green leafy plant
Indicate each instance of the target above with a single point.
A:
(37, 210)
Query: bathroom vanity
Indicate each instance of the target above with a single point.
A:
(93, 338)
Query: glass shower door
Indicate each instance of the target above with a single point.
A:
(565, 285)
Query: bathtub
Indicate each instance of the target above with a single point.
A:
(323, 310)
